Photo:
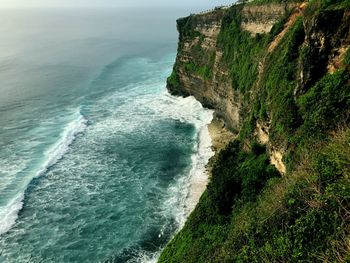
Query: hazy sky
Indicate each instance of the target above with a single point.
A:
(109, 3)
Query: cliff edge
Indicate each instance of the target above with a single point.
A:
(277, 73)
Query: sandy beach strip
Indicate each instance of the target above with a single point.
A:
(220, 136)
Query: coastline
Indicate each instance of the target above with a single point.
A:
(219, 137)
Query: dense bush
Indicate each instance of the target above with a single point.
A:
(279, 81)
(237, 179)
(326, 104)
(205, 71)
(346, 60)
(239, 175)
(173, 80)
(241, 51)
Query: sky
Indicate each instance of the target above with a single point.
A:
(108, 3)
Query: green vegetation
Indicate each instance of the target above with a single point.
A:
(346, 60)
(334, 4)
(326, 104)
(241, 51)
(203, 67)
(279, 84)
(238, 178)
(203, 71)
(261, 217)
(173, 80)
(263, 2)
(249, 213)
(185, 27)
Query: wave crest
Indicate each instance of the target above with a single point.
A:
(9, 212)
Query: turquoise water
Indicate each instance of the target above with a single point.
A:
(95, 156)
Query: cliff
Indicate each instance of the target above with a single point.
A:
(277, 73)
(200, 69)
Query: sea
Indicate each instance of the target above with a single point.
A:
(96, 157)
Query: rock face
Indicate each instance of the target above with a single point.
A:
(261, 19)
(200, 49)
(206, 65)
(325, 43)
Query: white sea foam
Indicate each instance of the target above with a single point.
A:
(184, 195)
(190, 187)
(57, 151)
(187, 109)
(9, 212)
(198, 174)
(145, 257)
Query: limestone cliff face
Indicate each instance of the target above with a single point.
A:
(326, 43)
(259, 19)
(211, 67)
(200, 50)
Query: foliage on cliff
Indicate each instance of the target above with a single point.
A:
(303, 217)
(301, 90)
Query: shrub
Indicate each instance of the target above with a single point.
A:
(325, 104)
(346, 60)
(173, 80)
(239, 175)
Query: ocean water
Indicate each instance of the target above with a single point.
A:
(95, 156)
